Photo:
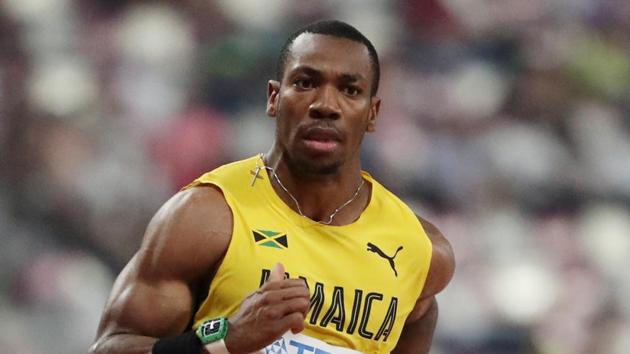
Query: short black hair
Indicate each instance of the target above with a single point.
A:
(337, 29)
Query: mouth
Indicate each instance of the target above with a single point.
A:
(321, 139)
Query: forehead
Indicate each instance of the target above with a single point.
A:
(329, 54)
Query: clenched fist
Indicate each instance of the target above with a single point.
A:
(269, 312)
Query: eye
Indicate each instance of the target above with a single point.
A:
(351, 90)
(303, 84)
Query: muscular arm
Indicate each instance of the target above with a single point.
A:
(153, 296)
(417, 334)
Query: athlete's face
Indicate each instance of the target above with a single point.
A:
(323, 106)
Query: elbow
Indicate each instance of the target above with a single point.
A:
(98, 347)
(433, 310)
(94, 348)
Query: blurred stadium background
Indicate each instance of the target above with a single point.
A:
(506, 122)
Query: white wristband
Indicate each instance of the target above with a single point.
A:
(217, 347)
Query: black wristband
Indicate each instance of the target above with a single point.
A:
(185, 343)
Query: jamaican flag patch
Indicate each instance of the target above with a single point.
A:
(268, 238)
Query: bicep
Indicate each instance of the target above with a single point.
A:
(150, 306)
(418, 329)
(417, 334)
(442, 265)
(154, 295)
(440, 271)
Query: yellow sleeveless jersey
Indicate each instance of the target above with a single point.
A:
(364, 278)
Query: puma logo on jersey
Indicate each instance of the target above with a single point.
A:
(373, 248)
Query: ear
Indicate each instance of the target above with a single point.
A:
(273, 90)
(375, 106)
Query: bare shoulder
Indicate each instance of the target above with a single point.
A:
(187, 235)
(154, 294)
(442, 265)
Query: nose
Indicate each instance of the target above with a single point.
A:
(325, 105)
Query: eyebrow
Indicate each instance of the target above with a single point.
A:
(352, 77)
(312, 71)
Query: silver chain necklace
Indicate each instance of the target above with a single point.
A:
(297, 204)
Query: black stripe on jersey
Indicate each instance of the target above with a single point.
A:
(337, 311)
(356, 308)
(367, 307)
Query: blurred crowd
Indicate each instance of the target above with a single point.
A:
(505, 122)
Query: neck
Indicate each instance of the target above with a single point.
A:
(318, 195)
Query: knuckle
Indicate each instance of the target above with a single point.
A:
(305, 303)
(271, 313)
(264, 312)
(266, 286)
(274, 284)
(302, 305)
(298, 306)
(296, 317)
(265, 298)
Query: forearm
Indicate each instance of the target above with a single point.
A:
(123, 344)
(417, 336)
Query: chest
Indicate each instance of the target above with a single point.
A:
(361, 282)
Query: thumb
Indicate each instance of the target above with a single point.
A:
(277, 273)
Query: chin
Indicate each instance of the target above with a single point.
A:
(315, 165)
(326, 169)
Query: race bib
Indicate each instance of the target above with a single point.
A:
(291, 343)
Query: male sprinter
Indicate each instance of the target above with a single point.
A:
(293, 251)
